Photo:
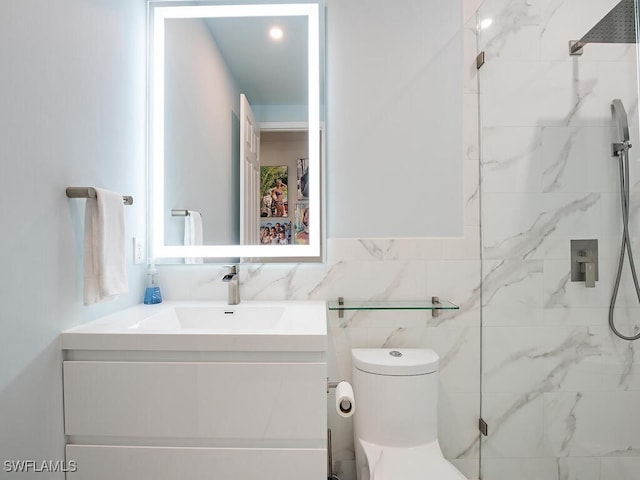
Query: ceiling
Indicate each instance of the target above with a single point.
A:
(268, 72)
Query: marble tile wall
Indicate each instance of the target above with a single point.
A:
(381, 269)
(560, 392)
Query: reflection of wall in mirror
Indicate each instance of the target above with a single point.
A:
(201, 134)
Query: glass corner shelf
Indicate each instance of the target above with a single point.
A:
(435, 305)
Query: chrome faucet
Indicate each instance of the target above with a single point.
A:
(234, 285)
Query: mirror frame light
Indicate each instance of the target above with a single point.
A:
(158, 15)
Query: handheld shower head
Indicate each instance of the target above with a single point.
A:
(621, 150)
(620, 115)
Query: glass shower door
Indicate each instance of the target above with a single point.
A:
(560, 392)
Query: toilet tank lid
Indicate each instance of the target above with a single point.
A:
(395, 361)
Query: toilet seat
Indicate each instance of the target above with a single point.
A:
(422, 462)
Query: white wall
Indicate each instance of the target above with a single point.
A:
(202, 135)
(394, 116)
(72, 113)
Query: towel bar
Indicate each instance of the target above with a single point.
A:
(90, 192)
(180, 213)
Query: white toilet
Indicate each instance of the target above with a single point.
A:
(396, 416)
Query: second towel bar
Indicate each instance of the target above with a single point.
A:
(90, 192)
(175, 212)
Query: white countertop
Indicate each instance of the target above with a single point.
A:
(292, 326)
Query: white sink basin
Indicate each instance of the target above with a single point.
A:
(206, 326)
(221, 319)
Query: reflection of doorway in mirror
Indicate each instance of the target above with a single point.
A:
(274, 191)
(283, 155)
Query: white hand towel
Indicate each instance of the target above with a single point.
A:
(193, 233)
(105, 275)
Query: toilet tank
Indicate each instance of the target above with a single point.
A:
(396, 396)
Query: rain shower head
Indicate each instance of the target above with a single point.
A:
(617, 26)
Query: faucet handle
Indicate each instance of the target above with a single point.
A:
(232, 269)
(584, 256)
(584, 262)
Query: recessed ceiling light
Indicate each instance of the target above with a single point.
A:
(276, 33)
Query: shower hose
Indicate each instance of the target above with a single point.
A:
(623, 161)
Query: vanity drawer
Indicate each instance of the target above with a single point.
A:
(266, 402)
(97, 462)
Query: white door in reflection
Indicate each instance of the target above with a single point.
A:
(249, 175)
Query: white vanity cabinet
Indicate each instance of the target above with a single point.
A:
(193, 414)
(194, 420)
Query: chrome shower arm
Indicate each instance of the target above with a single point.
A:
(617, 26)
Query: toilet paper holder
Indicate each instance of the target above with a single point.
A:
(345, 404)
(330, 474)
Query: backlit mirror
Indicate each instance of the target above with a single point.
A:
(235, 131)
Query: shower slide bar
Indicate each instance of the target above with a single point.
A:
(90, 192)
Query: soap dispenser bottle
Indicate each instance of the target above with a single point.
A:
(152, 293)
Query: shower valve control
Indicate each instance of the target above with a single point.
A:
(584, 262)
